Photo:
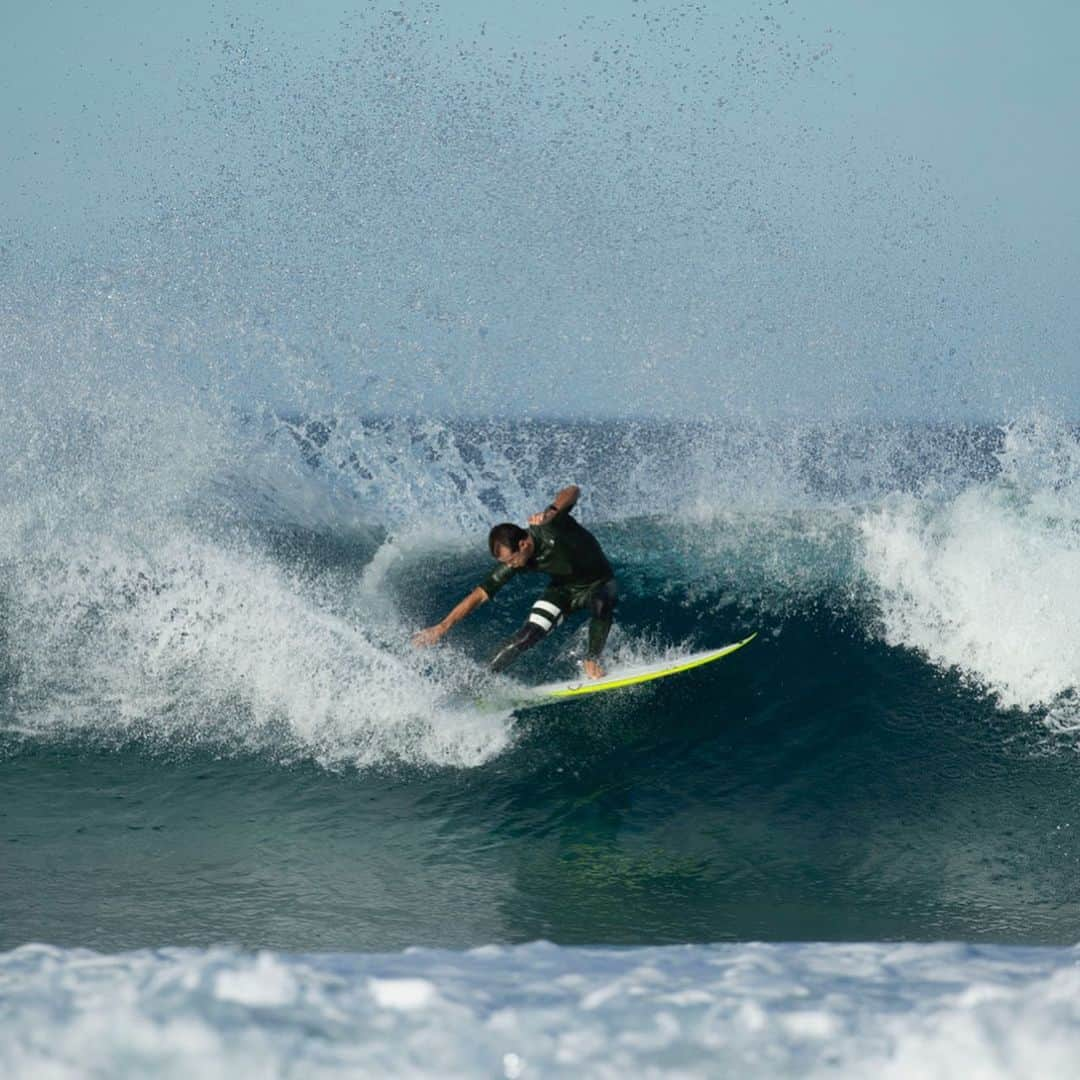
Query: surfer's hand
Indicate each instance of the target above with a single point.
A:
(543, 517)
(427, 637)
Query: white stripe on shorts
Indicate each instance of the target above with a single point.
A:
(545, 605)
(542, 621)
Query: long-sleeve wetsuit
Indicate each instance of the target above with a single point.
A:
(581, 577)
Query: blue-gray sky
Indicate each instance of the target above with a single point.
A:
(985, 91)
(103, 113)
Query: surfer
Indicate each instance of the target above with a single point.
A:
(581, 578)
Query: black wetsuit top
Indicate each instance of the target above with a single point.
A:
(565, 550)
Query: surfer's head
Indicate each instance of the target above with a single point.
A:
(510, 544)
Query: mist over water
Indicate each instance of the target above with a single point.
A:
(641, 217)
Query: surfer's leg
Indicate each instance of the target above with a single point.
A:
(546, 614)
(602, 608)
(514, 646)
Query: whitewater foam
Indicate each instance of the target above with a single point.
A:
(195, 641)
(749, 1010)
(987, 581)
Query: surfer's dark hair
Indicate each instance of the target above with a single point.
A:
(506, 535)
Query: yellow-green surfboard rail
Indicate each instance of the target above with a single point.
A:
(600, 685)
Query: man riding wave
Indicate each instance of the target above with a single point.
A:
(581, 578)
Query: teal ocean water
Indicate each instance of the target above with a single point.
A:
(227, 738)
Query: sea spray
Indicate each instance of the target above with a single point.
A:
(987, 580)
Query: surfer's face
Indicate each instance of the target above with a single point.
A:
(509, 557)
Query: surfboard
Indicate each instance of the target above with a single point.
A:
(548, 693)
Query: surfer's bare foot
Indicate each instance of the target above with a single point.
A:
(593, 669)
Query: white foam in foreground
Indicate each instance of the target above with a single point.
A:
(538, 1010)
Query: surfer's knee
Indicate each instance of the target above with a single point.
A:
(603, 600)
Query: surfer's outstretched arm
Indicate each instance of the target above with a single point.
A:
(466, 607)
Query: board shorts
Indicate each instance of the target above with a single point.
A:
(558, 601)
(554, 604)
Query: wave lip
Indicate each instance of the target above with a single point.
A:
(987, 582)
(750, 1010)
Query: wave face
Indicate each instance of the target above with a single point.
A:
(209, 690)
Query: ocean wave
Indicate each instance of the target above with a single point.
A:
(193, 642)
(987, 581)
(263, 589)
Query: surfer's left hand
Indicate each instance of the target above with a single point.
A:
(426, 637)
